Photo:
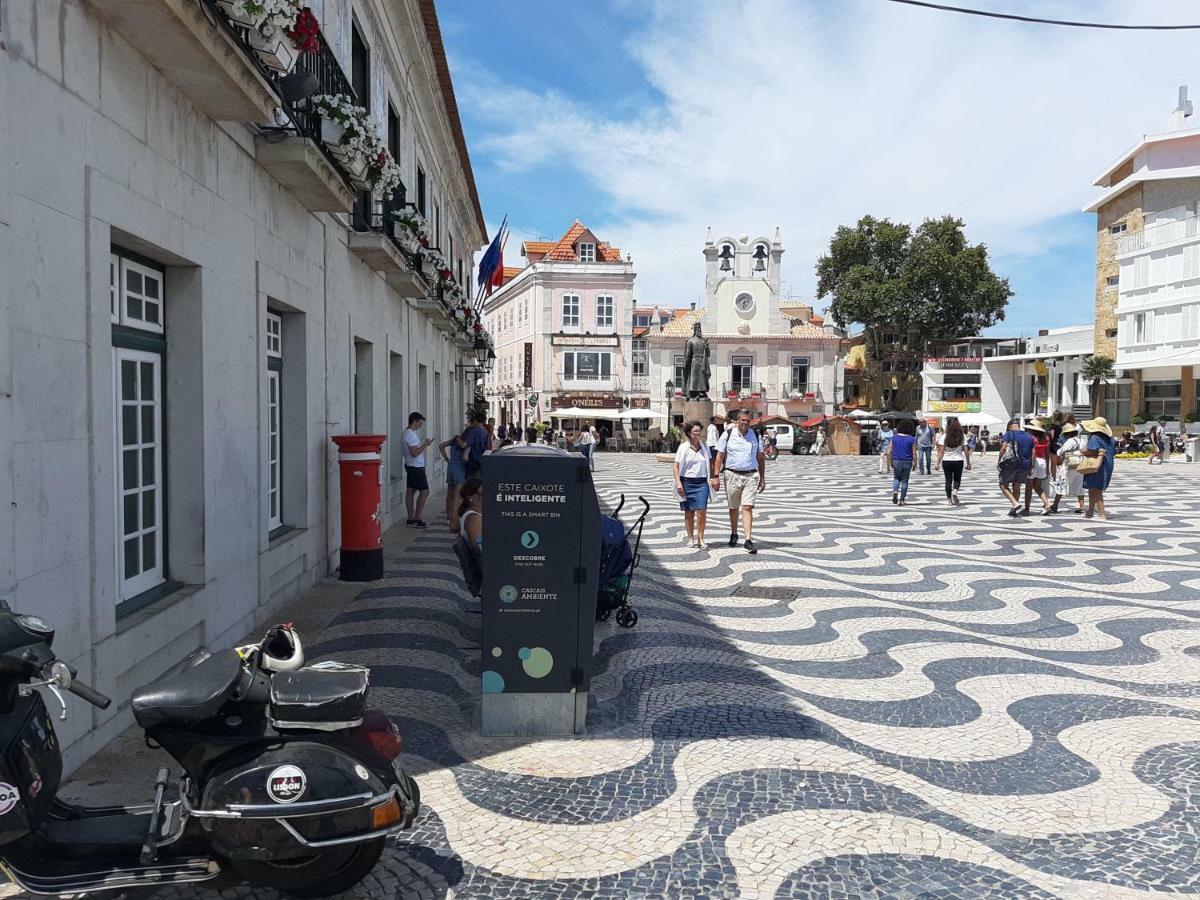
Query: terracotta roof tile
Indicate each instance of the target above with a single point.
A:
(806, 330)
(681, 325)
(536, 247)
(511, 272)
(564, 247)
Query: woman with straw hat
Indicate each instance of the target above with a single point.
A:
(1099, 444)
(1070, 454)
(1039, 470)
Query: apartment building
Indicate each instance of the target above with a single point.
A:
(201, 281)
(1148, 272)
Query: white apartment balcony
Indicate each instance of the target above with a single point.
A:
(1159, 237)
(602, 383)
(639, 384)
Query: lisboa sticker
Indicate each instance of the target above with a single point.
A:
(530, 540)
(8, 798)
(508, 594)
(286, 784)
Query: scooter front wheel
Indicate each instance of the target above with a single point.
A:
(321, 874)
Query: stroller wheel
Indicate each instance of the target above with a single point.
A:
(627, 617)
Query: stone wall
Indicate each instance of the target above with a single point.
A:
(1125, 208)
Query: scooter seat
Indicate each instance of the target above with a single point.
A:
(191, 696)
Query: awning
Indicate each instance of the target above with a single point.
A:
(814, 421)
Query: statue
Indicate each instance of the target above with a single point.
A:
(696, 370)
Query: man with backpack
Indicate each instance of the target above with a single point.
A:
(740, 456)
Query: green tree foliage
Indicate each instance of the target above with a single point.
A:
(926, 285)
(1097, 369)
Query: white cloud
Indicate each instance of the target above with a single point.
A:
(807, 116)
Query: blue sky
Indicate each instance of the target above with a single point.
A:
(652, 120)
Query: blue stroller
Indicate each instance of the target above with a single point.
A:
(618, 560)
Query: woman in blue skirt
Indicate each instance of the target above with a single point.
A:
(1099, 443)
(691, 482)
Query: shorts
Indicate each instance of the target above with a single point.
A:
(456, 472)
(1013, 473)
(416, 478)
(1039, 468)
(741, 490)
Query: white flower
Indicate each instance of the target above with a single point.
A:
(281, 15)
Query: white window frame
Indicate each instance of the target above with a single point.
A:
(146, 274)
(640, 357)
(679, 374)
(795, 362)
(570, 310)
(274, 457)
(274, 334)
(741, 361)
(1140, 321)
(114, 288)
(146, 578)
(603, 355)
(1118, 228)
(1113, 281)
(604, 310)
(587, 252)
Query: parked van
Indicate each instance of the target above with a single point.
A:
(785, 436)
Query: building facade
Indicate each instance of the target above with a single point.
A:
(768, 354)
(1148, 273)
(199, 285)
(1008, 377)
(562, 330)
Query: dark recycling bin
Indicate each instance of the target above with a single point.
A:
(541, 555)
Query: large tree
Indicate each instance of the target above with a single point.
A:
(931, 284)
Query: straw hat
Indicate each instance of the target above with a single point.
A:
(1070, 428)
(1034, 426)
(1097, 424)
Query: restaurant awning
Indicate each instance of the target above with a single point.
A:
(813, 422)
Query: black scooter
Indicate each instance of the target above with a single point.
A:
(288, 780)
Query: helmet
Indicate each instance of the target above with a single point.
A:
(281, 650)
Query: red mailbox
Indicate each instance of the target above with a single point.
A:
(359, 459)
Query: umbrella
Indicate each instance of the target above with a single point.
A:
(572, 412)
(643, 414)
(860, 414)
(971, 419)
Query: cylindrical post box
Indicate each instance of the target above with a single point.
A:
(359, 459)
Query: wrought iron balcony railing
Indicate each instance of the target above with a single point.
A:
(798, 390)
(743, 390)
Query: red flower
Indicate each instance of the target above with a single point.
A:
(444, 274)
(478, 327)
(304, 32)
(424, 241)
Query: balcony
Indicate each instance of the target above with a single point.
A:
(193, 46)
(798, 392)
(605, 383)
(639, 384)
(1158, 236)
(743, 390)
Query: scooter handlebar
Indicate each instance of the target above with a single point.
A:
(90, 694)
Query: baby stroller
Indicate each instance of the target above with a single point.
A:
(618, 559)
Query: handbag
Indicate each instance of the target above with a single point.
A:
(1090, 465)
(1009, 454)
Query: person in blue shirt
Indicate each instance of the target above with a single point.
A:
(478, 443)
(1099, 443)
(740, 456)
(900, 455)
(1014, 462)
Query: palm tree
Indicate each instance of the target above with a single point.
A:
(1097, 369)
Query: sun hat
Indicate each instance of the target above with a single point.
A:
(1097, 424)
(1034, 426)
(1070, 428)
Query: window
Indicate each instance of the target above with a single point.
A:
(1118, 228)
(640, 357)
(136, 306)
(587, 365)
(397, 416)
(1117, 402)
(604, 311)
(274, 414)
(678, 365)
(570, 310)
(363, 385)
(1112, 280)
(1139, 328)
(360, 78)
(1110, 332)
(641, 321)
(1161, 399)
(741, 372)
(799, 380)
(421, 207)
(587, 252)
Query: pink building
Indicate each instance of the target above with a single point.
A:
(562, 329)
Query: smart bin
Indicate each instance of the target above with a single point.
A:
(541, 556)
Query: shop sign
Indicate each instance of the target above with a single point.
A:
(955, 406)
(639, 402)
(954, 362)
(586, 401)
(527, 381)
(585, 340)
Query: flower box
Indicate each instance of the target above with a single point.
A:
(238, 14)
(277, 52)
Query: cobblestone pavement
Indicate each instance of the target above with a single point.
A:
(884, 702)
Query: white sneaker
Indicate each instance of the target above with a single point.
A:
(700, 545)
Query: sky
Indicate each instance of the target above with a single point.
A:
(652, 120)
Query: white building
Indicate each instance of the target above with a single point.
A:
(1148, 261)
(768, 354)
(561, 326)
(193, 298)
(1009, 377)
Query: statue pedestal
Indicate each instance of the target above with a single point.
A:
(699, 410)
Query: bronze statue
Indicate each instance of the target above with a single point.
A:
(696, 370)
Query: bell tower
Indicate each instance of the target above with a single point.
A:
(742, 283)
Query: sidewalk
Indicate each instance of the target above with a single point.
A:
(123, 772)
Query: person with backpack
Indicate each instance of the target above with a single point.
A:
(740, 456)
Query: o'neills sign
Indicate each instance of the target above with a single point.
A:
(585, 401)
(954, 362)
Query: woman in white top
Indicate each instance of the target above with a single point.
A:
(953, 455)
(1070, 454)
(470, 514)
(691, 482)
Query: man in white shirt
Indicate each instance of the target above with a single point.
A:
(417, 484)
(711, 437)
(586, 444)
(740, 456)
